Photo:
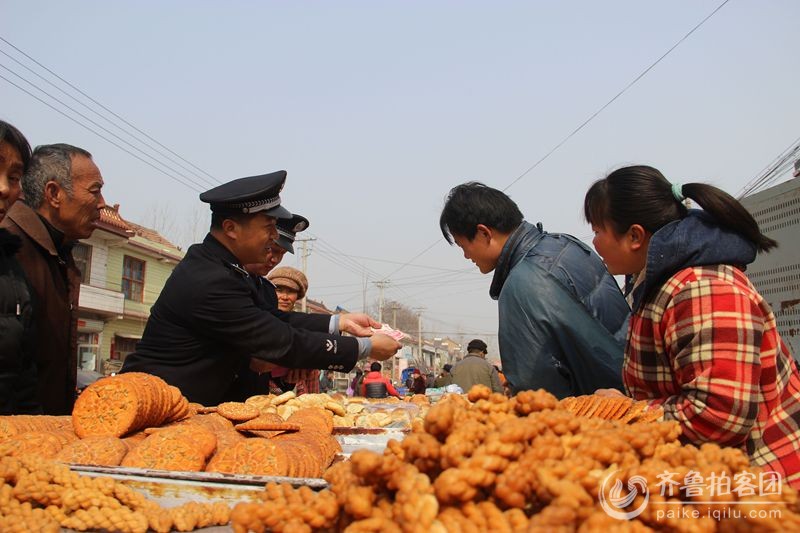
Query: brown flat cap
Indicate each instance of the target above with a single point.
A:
(289, 277)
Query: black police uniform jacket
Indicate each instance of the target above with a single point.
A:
(211, 316)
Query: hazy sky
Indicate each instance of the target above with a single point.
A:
(376, 109)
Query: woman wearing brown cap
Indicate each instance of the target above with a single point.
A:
(290, 285)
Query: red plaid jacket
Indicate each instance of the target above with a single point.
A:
(306, 381)
(705, 346)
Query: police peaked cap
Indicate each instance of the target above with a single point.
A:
(288, 228)
(254, 194)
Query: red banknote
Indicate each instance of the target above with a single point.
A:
(386, 329)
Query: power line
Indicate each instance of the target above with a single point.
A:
(348, 263)
(616, 96)
(101, 127)
(591, 117)
(327, 251)
(98, 134)
(773, 171)
(450, 270)
(344, 258)
(101, 116)
(335, 256)
(215, 180)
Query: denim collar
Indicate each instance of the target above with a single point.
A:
(514, 250)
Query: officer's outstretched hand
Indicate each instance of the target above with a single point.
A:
(357, 324)
(383, 347)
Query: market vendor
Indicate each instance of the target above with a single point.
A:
(209, 316)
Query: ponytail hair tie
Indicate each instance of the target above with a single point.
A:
(677, 192)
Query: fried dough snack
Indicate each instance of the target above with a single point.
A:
(625, 410)
(192, 432)
(16, 424)
(313, 419)
(40, 495)
(255, 456)
(348, 412)
(287, 509)
(122, 404)
(165, 450)
(37, 443)
(237, 411)
(98, 451)
(488, 463)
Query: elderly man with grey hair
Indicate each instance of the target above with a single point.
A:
(62, 203)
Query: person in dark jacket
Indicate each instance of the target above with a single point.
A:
(210, 316)
(563, 318)
(258, 375)
(328, 382)
(355, 383)
(17, 367)
(63, 198)
(418, 382)
(445, 378)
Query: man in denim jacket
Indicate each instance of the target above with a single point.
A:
(563, 319)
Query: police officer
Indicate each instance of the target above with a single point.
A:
(211, 316)
(288, 228)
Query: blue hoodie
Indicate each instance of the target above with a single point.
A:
(563, 319)
(695, 240)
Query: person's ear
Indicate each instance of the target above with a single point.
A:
(230, 228)
(637, 237)
(484, 232)
(53, 194)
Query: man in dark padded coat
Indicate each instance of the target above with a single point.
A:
(210, 314)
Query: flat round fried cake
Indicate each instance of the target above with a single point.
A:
(96, 451)
(311, 448)
(237, 411)
(313, 419)
(195, 434)
(107, 407)
(162, 452)
(251, 457)
(39, 443)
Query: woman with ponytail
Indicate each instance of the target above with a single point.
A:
(702, 344)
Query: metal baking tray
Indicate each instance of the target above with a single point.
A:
(171, 488)
(209, 486)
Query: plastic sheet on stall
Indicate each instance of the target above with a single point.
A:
(373, 439)
(377, 407)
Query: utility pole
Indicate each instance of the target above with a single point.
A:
(364, 295)
(395, 307)
(419, 331)
(304, 253)
(381, 285)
